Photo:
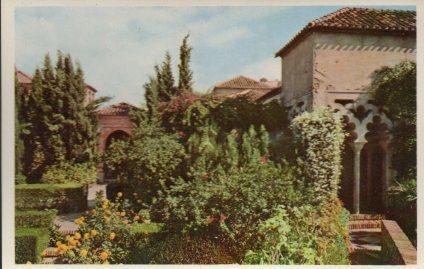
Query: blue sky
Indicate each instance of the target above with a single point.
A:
(118, 46)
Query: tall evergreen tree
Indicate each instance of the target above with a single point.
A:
(151, 96)
(166, 80)
(185, 77)
(19, 125)
(58, 124)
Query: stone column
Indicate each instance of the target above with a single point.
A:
(357, 147)
(386, 173)
(369, 182)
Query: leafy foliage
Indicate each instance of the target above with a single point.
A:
(84, 173)
(303, 235)
(320, 137)
(396, 88)
(148, 161)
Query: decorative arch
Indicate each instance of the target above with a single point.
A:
(370, 136)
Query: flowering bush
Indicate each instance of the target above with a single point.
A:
(303, 235)
(104, 234)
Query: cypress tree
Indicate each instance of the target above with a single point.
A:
(185, 77)
(166, 80)
(151, 96)
(19, 124)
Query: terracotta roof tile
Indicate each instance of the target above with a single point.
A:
(359, 19)
(239, 82)
(23, 78)
(252, 94)
(120, 109)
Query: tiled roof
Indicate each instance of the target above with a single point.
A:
(120, 109)
(91, 88)
(359, 19)
(23, 78)
(242, 82)
(239, 82)
(270, 94)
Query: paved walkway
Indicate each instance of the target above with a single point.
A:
(66, 221)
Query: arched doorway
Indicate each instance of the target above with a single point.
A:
(114, 136)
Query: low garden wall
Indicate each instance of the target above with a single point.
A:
(395, 245)
(66, 198)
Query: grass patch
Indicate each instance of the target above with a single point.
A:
(146, 228)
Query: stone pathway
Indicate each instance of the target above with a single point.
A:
(66, 221)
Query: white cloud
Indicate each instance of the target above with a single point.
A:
(118, 47)
(269, 68)
(228, 36)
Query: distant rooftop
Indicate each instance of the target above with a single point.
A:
(120, 109)
(242, 82)
(359, 19)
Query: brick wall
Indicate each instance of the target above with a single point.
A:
(395, 245)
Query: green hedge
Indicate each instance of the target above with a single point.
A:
(29, 244)
(67, 197)
(35, 219)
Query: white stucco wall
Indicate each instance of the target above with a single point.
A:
(344, 63)
(297, 70)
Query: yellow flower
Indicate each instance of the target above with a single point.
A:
(79, 220)
(86, 235)
(68, 237)
(107, 219)
(93, 232)
(83, 253)
(93, 212)
(73, 242)
(112, 236)
(119, 194)
(107, 212)
(103, 256)
(58, 243)
(125, 222)
(122, 214)
(77, 236)
(104, 206)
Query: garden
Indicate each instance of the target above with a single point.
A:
(200, 181)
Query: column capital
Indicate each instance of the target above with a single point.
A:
(357, 146)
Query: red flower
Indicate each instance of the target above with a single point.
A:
(222, 217)
(210, 219)
(263, 159)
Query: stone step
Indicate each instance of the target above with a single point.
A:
(364, 224)
(366, 217)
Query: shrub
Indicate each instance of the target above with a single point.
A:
(230, 205)
(147, 162)
(68, 197)
(64, 172)
(35, 219)
(303, 235)
(320, 137)
(29, 244)
(105, 234)
(189, 250)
